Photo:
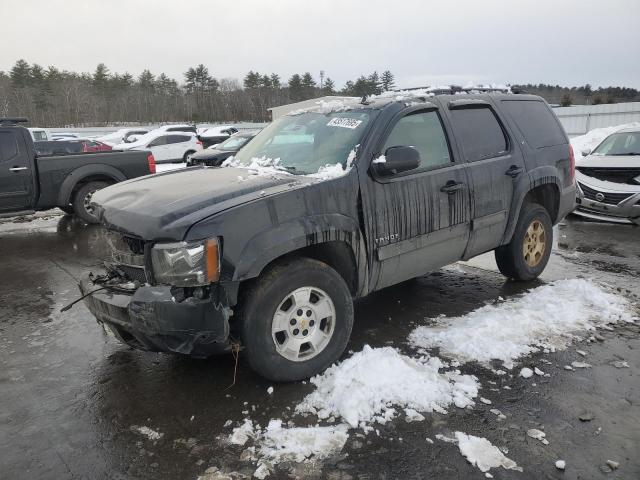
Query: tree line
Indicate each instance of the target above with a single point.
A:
(52, 97)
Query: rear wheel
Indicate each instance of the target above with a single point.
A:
(296, 320)
(82, 201)
(527, 255)
(187, 155)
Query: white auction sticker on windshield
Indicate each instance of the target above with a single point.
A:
(344, 122)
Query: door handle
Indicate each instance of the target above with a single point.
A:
(514, 171)
(452, 187)
(17, 169)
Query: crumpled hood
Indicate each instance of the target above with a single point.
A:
(164, 206)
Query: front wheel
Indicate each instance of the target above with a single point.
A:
(187, 156)
(527, 255)
(82, 201)
(296, 320)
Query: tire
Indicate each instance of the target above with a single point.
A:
(68, 209)
(527, 255)
(270, 294)
(186, 156)
(81, 200)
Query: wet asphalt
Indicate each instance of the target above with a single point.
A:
(71, 395)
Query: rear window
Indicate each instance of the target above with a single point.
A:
(8, 146)
(536, 122)
(479, 132)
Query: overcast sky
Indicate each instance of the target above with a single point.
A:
(566, 42)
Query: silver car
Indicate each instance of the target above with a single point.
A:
(608, 179)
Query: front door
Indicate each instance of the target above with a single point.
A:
(418, 220)
(494, 165)
(16, 177)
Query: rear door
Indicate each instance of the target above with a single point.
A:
(419, 218)
(16, 178)
(159, 148)
(495, 163)
(178, 145)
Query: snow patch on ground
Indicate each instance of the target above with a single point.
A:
(547, 317)
(481, 453)
(592, 139)
(371, 384)
(147, 432)
(167, 167)
(275, 443)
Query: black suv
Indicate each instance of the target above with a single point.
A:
(323, 207)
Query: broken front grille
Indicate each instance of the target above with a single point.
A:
(603, 197)
(127, 256)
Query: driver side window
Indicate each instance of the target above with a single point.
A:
(424, 132)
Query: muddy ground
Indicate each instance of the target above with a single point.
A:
(70, 394)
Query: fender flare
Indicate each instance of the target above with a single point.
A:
(269, 245)
(79, 174)
(546, 175)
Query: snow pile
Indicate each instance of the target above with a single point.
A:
(480, 452)
(276, 444)
(592, 139)
(545, 317)
(366, 387)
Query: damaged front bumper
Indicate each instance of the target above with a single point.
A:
(600, 202)
(149, 318)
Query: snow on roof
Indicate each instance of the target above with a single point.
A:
(593, 138)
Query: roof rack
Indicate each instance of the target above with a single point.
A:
(12, 120)
(453, 89)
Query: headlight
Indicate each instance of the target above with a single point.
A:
(186, 264)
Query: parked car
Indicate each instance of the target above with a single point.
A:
(122, 135)
(64, 136)
(205, 259)
(91, 146)
(30, 181)
(216, 154)
(40, 134)
(214, 135)
(609, 179)
(166, 146)
(176, 128)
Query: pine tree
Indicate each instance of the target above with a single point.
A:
(101, 76)
(296, 91)
(387, 82)
(374, 87)
(329, 87)
(308, 86)
(20, 74)
(275, 80)
(252, 80)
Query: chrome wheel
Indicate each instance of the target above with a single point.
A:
(303, 324)
(534, 243)
(87, 202)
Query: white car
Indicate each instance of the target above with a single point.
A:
(166, 146)
(123, 135)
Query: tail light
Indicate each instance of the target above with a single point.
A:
(152, 163)
(572, 164)
(199, 142)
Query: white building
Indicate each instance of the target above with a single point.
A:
(277, 112)
(579, 119)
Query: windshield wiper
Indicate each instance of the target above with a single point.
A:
(624, 154)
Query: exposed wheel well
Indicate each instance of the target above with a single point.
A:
(546, 195)
(90, 178)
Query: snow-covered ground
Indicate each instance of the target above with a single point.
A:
(376, 385)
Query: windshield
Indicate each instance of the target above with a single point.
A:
(623, 143)
(233, 144)
(304, 143)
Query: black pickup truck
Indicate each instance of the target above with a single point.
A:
(29, 182)
(268, 252)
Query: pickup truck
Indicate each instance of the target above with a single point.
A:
(266, 254)
(30, 182)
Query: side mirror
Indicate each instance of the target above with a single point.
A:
(397, 159)
(586, 152)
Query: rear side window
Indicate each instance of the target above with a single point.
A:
(479, 132)
(177, 139)
(536, 122)
(8, 146)
(422, 131)
(158, 141)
